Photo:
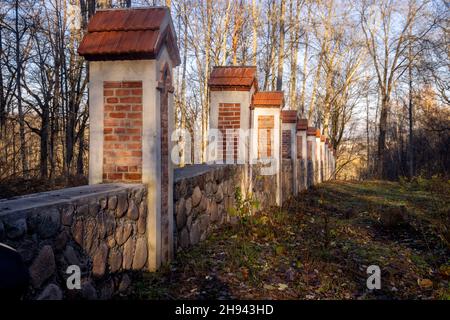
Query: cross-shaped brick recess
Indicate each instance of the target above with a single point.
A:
(122, 148)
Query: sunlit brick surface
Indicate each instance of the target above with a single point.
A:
(122, 148)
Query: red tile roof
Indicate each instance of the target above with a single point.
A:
(311, 131)
(318, 134)
(268, 99)
(289, 116)
(302, 124)
(129, 34)
(233, 77)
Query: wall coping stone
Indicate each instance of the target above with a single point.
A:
(191, 171)
(62, 196)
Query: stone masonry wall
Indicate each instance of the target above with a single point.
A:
(264, 187)
(287, 179)
(301, 175)
(203, 196)
(100, 228)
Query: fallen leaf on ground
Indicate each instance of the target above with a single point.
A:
(425, 283)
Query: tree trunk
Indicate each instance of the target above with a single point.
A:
(281, 47)
(295, 25)
(205, 105)
(382, 135)
(225, 33)
(255, 31)
(410, 111)
(45, 119)
(183, 90)
(80, 163)
(2, 94)
(19, 96)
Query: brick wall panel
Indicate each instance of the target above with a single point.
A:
(122, 147)
(286, 144)
(229, 118)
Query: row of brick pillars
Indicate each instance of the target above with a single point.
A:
(237, 103)
(131, 54)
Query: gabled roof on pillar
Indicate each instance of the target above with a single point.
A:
(268, 99)
(130, 34)
(318, 134)
(311, 131)
(302, 124)
(233, 78)
(289, 116)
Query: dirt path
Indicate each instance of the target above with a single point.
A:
(319, 247)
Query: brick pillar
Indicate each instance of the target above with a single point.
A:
(322, 158)
(266, 133)
(318, 167)
(302, 159)
(131, 111)
(327, 160)
(311, 156)
(289, 145)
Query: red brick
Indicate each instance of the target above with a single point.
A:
(111, 138)
(120, 156)
(136, 123)
(117, 115)
(111, 123)
(119, 130)
(112, 84)
(115, 176)
(134, 115)
(133, 176)
(121, 107)
(122, 168)
(134, 131)
(112, 100)
(122, 92)
(131, 100)
(134, 146)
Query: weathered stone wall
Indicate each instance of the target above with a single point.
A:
(100, 228)
(310, 173)
(301, 175)
(287, 179)
(264, 187)
(203, 195)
